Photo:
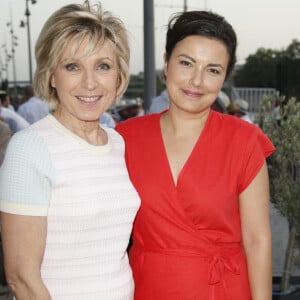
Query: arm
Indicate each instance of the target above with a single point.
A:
(254, 211)
(24, 240)
(5, 135)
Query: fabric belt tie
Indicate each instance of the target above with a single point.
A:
(218, 265)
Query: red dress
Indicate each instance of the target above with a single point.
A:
(187, 238)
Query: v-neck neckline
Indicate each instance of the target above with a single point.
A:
(190, 156)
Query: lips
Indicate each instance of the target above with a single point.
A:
(192, 94)
(88, 99)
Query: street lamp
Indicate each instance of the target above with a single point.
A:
(185, 5)
(7, 58)
(22, 24)
(14, 44)
(4, 65)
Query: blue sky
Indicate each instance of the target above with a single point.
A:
(258, 23)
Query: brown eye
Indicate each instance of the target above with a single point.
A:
(185, 63)
(214, 71)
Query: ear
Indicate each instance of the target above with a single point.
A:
(119, 85)
(165, 65)
(52, 81)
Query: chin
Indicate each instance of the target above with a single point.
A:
(90, 118)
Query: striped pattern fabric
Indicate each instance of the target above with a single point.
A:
(91, 209)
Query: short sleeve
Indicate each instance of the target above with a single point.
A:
(258, 148)
(26, 175)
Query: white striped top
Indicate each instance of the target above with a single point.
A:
(89, 201)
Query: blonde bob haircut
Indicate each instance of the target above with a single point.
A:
(77, 22)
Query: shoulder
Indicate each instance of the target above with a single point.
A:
(36, 100)
(107, 119)
(5, 112)
(27, 150)
(16, 121)
(21, 107)
(240, 134)
(236, 131)
(12, 114)
(23, 143)
(27, 174)
(26, 141)
(234, 125)
(138, 123)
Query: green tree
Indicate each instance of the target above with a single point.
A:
(293, 50)
(259, 70)
(284, 169)
(292, 65)
(278, 69)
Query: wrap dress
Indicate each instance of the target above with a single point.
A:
(187, 241)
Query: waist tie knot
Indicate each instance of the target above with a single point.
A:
(218, 265)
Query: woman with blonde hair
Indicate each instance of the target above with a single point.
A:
(67, 204)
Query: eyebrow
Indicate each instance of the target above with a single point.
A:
(194, 61)
(74, 59)
(186, 56)
(106, 58)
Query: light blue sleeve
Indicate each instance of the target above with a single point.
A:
(26, 175)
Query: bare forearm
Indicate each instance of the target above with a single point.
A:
(259, 259)
(23, 246)
(255, 220)
(33, 291)
(29, 290)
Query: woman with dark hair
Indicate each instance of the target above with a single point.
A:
(203, 230)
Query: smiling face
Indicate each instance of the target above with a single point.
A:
(86, 85)
(195, 73)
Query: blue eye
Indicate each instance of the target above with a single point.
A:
(104, 67)
(71, 67)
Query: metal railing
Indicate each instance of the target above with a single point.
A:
(254, 97)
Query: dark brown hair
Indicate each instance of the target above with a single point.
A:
(203, 23)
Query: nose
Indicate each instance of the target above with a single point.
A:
(196, 78)
(90, 80)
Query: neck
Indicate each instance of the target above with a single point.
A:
(90, 131)
(184, 123)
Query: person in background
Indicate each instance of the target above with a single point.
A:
(276, 112)
(232, 108)
(5, 135)
(107, 120)
(32, 108)
(203, 230)
(242, 111)
(67, 203)
(129, 109)
(221, 103)
(6, 101)
(159, 103)
(13, 119)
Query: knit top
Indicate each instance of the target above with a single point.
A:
(88, 199)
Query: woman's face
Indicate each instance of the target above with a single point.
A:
(195, 73)
(86, 86)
